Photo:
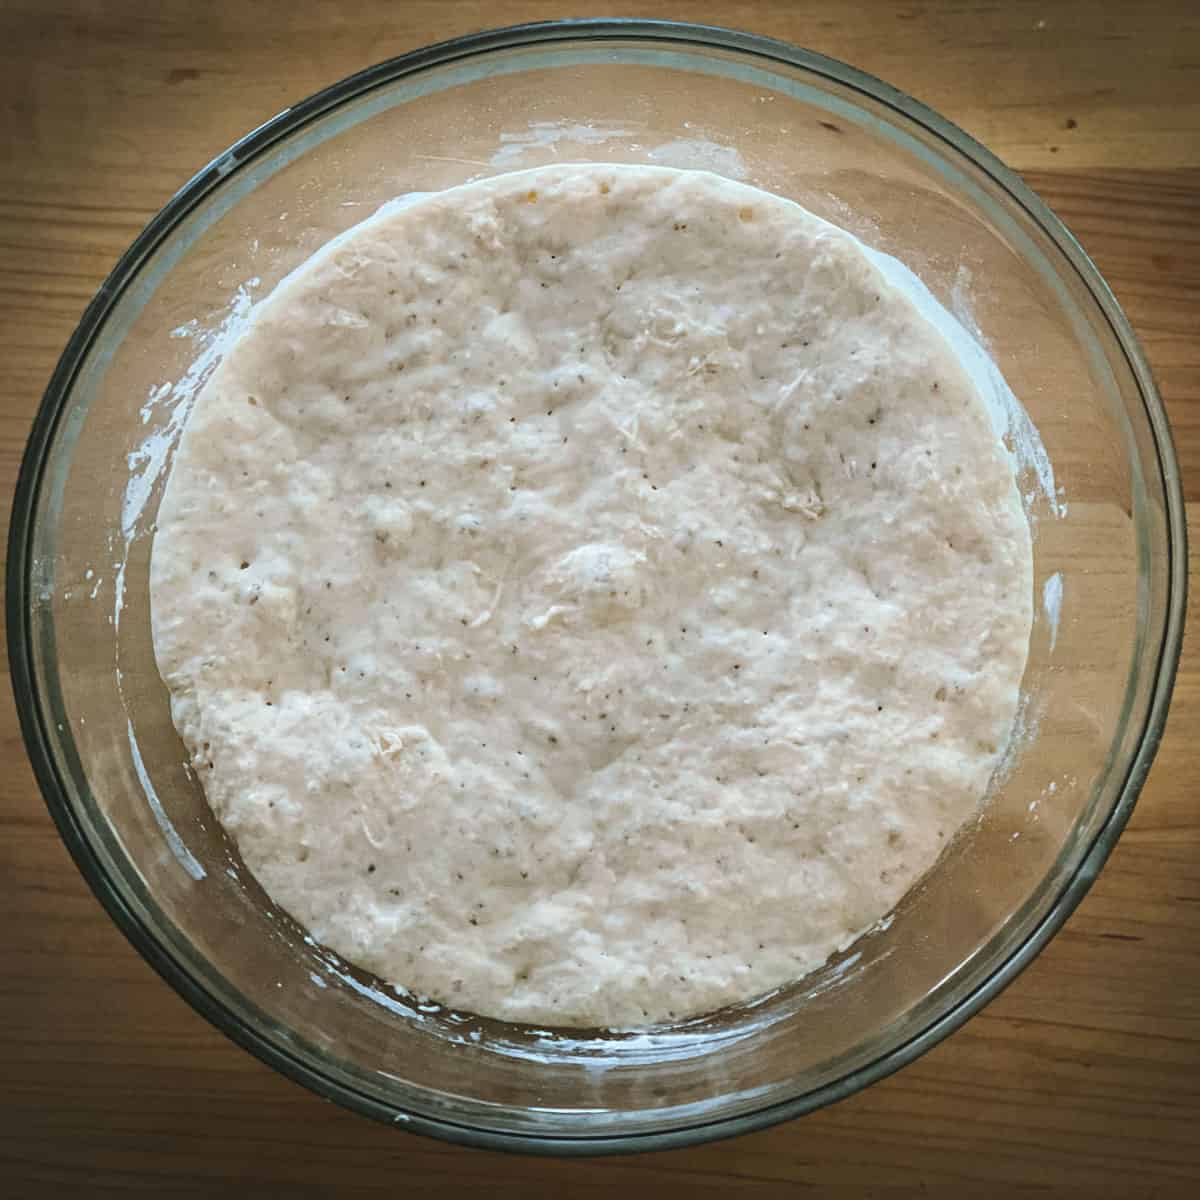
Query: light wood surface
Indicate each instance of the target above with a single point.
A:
(1084, 1076)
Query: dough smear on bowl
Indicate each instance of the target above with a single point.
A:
(591, 596)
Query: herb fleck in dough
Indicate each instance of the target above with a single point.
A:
(591, 596)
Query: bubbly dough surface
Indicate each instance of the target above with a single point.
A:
(591, 596)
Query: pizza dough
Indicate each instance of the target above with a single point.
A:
(591, 596)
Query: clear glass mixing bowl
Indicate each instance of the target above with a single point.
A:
(1109, 561)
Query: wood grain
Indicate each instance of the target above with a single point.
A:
(1083, 1076)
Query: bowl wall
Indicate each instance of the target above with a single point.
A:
(1103, 504)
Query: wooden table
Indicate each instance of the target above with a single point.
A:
(1084, 1074)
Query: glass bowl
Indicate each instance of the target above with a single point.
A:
(1104, 502)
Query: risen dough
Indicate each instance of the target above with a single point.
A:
(591, 596)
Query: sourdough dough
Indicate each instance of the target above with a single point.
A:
(591, 596)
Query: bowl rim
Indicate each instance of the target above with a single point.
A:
(20, 593)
